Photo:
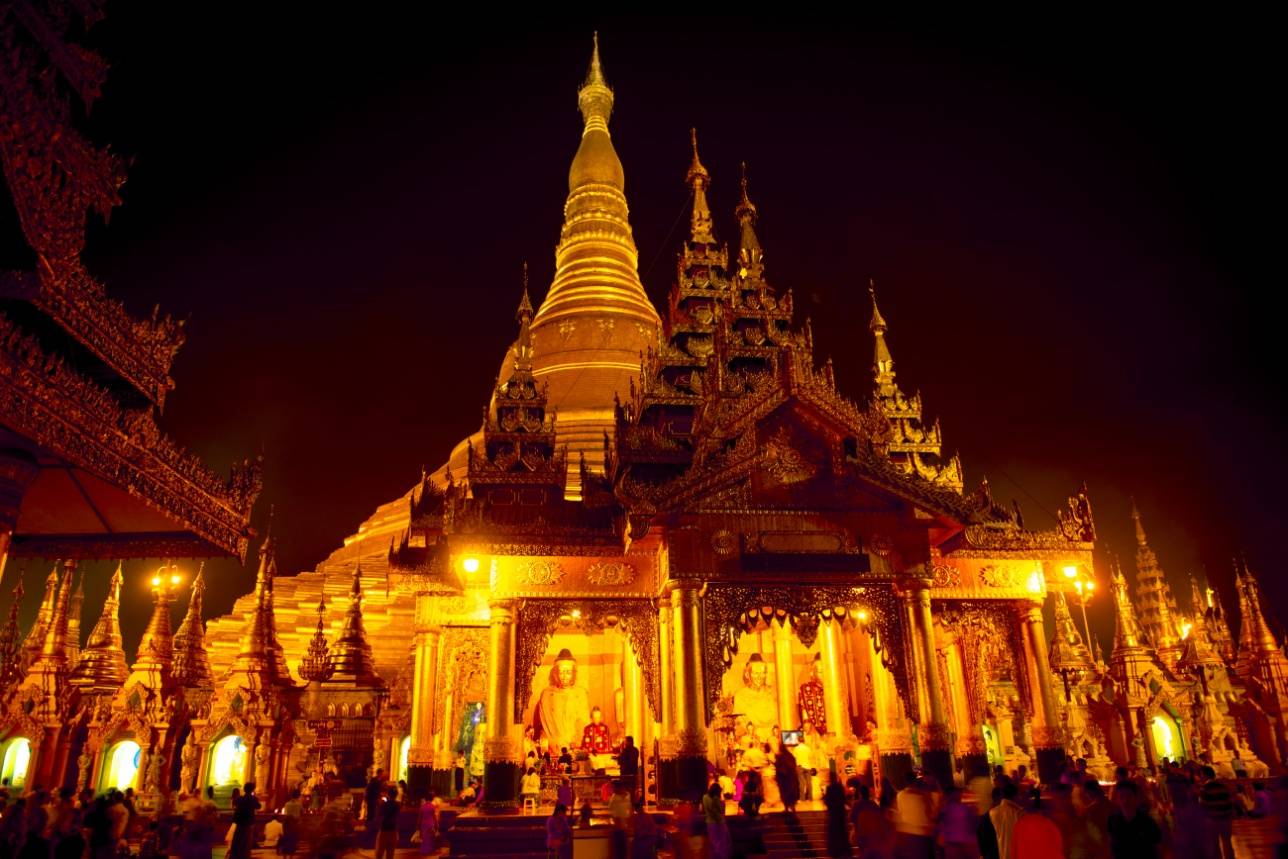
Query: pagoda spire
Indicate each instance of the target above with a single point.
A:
(751, 256)
(260, 657)
(316, 665)
(35, 639)
(351, 658)
(596, 319)
(882, 360)
(1127, 630)
(10, 643)
(74, 620)
(1260, 636)
(191, 662)
(698, 179)
(1068, 651)
(49, 672)
(101, 666)
(523, 348)
(154, 662)
(1155, 596)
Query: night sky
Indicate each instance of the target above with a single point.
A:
(1065, 227)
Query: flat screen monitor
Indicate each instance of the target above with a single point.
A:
(793, 738)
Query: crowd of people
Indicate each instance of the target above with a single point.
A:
(1180, 810)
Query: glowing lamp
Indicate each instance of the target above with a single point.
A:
(156, 581)
(174, 580)
(576, 614)
(1078, 586)
(471, 565)
(1091, 586)
(1070, 572)
(1185, 630)
(863, 615)
(1035, 582)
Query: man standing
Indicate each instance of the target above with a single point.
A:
(1218, 804)
(629, 761)
(1004, 815)
(371, 798)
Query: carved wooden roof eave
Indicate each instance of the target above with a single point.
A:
(44, 401)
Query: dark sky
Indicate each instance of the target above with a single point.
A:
(1065, 224)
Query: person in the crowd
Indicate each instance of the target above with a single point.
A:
(244, 808)
(838, 837)
(427, 825)
(719, 841)
(1035, 835)
(958, 826)
(787, 779)
(1002, 818)
(1133, 834)
(530, 785)
(1217, 802)
(644, 835)
(387, 821)
(559, 833)
(914, 821)
(753, 795)
(629, 762)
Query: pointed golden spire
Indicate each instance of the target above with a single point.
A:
(595, 98)
(102, 663)
(191, 662)
(1068, 651)
(523, 349)
(156, 649)
(74, 620)
(1127, 631)
(525, 304)
(35, 640)
(351, 657)
(882, 360)
(1262, 639)
(1155, 597)
(316, 665)
(750, 254)
(260, 654)
(10, 643)
(700, 230)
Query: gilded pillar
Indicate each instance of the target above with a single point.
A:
(684, 763)
(665, 671)
(633, 697)
(834, 705)
(788, 712)
(502, 753)
(1047, 742)
(936, 755)
(420, 754)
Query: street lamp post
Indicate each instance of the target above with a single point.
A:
(1084, 587)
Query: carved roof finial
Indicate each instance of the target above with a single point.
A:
(882, 360)
(351, 658)
(316, 665)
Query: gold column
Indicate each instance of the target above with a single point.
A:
(834, 706)
(500, 687)
(633, 686)
(928, 680)
(424, 690)
(690, 707)
(1046, 728)
(665, 671)
(788, 706)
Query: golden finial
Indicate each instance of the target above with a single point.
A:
(698, 178)
(745, 206)
(595, 98)
(882, 360)
(1140, 529)
(525, 304)
(750, 255)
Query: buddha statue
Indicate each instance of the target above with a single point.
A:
(755, 702)
(563, 710)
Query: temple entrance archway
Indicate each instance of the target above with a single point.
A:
(404, 750)
(1165, 735)
(121, 765)
(993, 746)
(15, 761)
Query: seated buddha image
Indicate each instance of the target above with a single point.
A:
(755, 702)
(563, 711)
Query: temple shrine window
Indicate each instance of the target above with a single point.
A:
(13, 766)
(228, 762)
(404, 749)
(122, 765)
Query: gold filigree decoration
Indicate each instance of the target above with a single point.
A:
(724, 543)
(994, 576)
(611, 574)
(945, 576)
(784, 464)
(541, 573)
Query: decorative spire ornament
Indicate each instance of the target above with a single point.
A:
(316, 665)
(191, 661)
(698, 179)
(351, 658)
(101, 666)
